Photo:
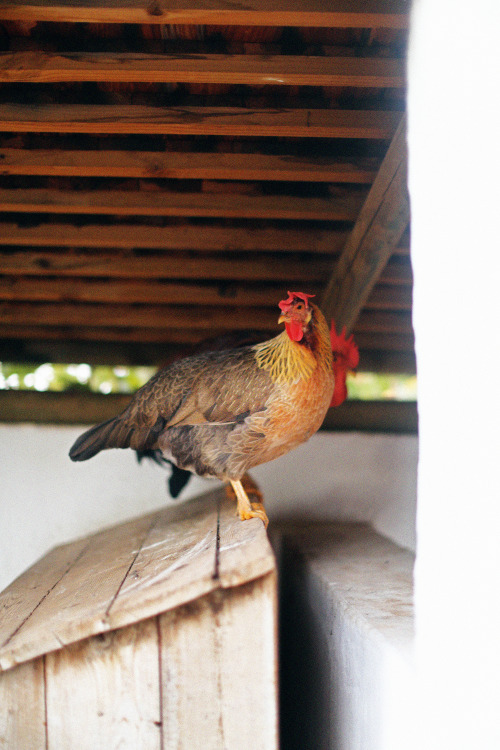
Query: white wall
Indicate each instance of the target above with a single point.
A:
(454, 148)
(46, 499)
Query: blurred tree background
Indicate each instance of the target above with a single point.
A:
(102, 379)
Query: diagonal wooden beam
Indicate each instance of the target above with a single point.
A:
(379, 227)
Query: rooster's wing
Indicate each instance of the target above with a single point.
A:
(217, 388)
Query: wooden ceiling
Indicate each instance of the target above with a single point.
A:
(170, 168)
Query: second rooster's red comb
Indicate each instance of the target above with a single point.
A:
(285, 303)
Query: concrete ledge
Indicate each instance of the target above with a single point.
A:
(346, 639)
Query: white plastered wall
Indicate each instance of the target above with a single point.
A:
(46, 499)
(454, 149)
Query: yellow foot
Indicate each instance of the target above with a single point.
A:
(245, 508)
(259, 512)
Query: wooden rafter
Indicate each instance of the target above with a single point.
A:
(314, 13)
(276, 70)
(163, 292)
(106, 255)
(124, 316)
(183, 337)
(137, 291)
(379, 227)
(261, 268)
(161, 316)
(201, 238)
(400, 343)
(221, 121)
(190, 165)
(343, 207)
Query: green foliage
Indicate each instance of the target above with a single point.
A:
(372, 386)
(56, 377)
(367, 386)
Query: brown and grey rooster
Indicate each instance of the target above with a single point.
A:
(220, 413)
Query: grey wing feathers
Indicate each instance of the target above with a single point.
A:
(211, 388)
(136, 427)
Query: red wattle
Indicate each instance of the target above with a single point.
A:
(340, 389)
(294, 330)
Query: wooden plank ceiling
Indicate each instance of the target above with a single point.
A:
(170, 169)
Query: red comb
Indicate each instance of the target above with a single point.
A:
(345, 358)
(285, 303)
(346, 350)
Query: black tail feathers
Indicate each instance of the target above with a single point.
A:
(108, 434)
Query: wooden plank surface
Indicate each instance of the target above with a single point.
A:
(103, 693)
(190, 165)
(381, 352)
(165, 342)
(22, 707)
(89, 584)
(31, 289)
(344, 207)
(201, 238)
(261, 268)
(146, 316)
(134, 571)
(397, 417)
(342, 13)
(276, 70)
(238, 640)
(22, 289)
(19, 602)
(378, 229)
(222, 121)
(162, 316)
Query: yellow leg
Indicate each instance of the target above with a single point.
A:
(245, 508)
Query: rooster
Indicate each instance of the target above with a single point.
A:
(219, 413)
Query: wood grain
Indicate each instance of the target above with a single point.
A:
(342, 13)
(22, 707)
(180, 165)
(276, 70)
(22, 289)
(134, 203)
(222, 121)
(19, 603)
(145, 316)
(233, 664)
(103, 692)
(135, 571)
(31, 289)
(263, 267)
(200, 238)
(202, 318)
(75, 606)
(378, 229)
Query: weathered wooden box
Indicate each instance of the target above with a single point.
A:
(158, 633)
